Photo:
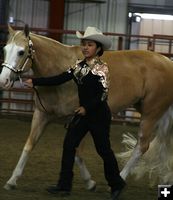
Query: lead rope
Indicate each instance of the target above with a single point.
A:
(38, 96)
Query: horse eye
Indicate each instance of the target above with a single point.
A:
(21, 53)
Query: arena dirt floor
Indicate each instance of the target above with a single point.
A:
(44, 163)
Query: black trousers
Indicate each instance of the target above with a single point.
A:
(98, 124)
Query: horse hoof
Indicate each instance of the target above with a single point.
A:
(91, 186)
(8, 186)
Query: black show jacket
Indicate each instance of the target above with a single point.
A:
(92, 94)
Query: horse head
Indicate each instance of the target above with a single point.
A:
(18, 56)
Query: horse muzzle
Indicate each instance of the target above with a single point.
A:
(7, 78)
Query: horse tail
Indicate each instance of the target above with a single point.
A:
(157, 162)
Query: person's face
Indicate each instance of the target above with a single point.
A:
(88, 48)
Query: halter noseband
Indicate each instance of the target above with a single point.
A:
(19, 69)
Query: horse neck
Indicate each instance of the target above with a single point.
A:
(52, 57)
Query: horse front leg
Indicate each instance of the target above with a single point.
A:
(85, 174)
(144, 137)
(39, 122)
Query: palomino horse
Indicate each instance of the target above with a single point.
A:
(141, 78)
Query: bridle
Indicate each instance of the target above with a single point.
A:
(21, 68)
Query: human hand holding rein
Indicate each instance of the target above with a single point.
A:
(28, 83)
(81, 111)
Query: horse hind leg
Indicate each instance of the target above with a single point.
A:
(144, 137)
(39, 122)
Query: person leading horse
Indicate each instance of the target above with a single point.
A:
(92, 78)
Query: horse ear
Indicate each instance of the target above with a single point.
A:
(10, 30)
(26, 30)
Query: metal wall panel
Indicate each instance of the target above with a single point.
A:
(153, 2)
(150, 2)
(33, 12)
(161, 27)
(151, 6)
(3, 11)
(110, 16)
